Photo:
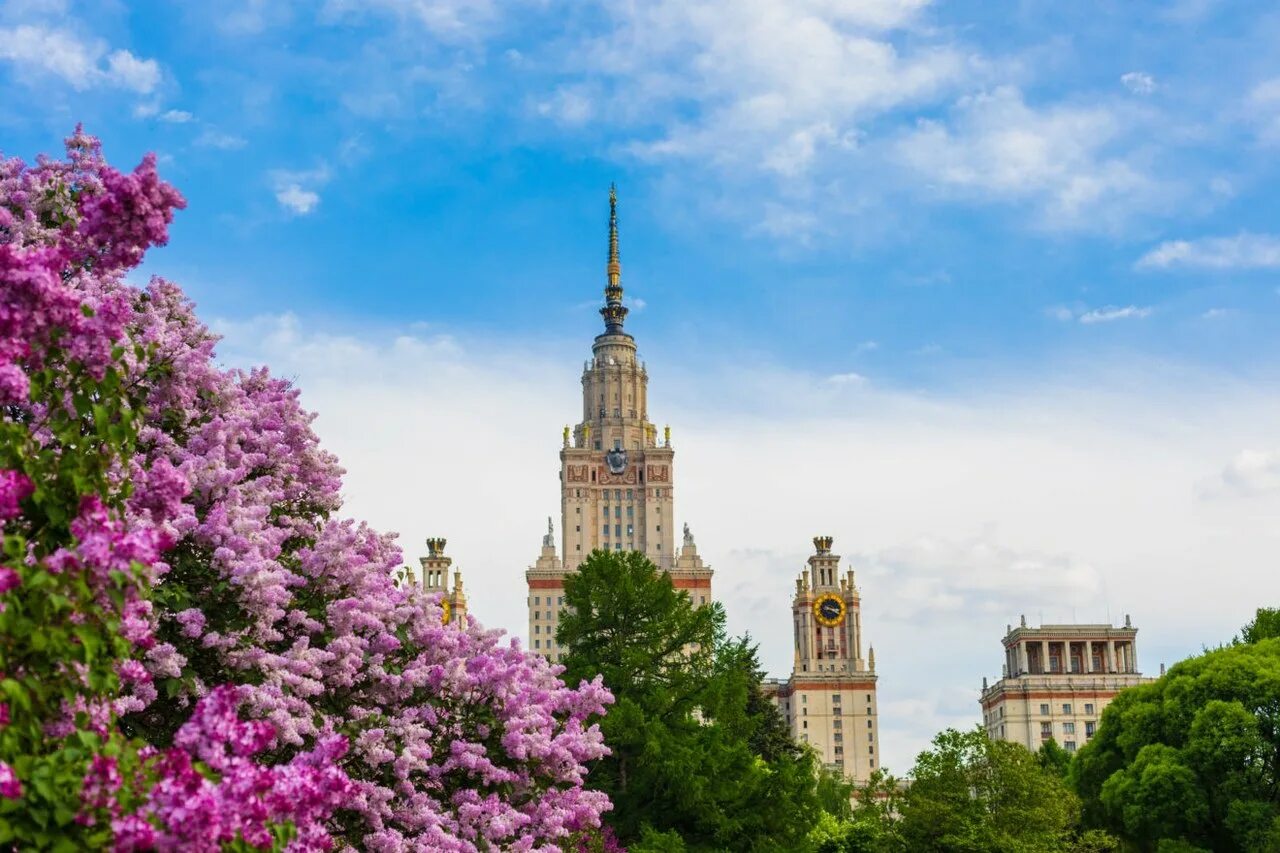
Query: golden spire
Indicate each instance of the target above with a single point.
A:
(614, 312)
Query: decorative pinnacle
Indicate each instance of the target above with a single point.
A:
(614, 312)
(823, 544)
(435, 547)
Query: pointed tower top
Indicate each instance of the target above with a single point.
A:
(614, 312)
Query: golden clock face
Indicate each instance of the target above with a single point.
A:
(448, 610)
(829, 610)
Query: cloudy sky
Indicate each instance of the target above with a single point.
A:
(988, 292)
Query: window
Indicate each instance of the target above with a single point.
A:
(839, 737)
(870, 736)
(617, 530)
(606, 530)
(560, 600)
(577, 510)
(1046, 731)
(537, 599)
(617, 494)
(537, 629)
(1088, 709)
(804, 712)
(835, 700)
(617, 511)
(871, 750)
(1068, 728)
(1044, 710)
(1089, 728)
(868, 698)
(804, 698)
(868, 724)
(1066, 709)
(631, 511)
(837, 723)
(537, 644)
(629, 495)
(631, 530)
(805, 724)
(548, 612)
(839, 750)
(617, 546)
(1069, 746)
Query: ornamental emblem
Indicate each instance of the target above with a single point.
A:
(616, 459)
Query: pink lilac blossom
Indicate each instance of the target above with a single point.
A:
(15, 487)
(461, 740)
(186, 810)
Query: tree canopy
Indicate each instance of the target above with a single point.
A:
(700, 758)
(1191, 759)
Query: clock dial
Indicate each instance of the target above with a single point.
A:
(829, 610)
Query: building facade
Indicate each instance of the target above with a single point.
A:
(829, 702)
(436, 575)
(617, 478)
(1056, 680)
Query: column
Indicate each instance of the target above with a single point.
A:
(1023, 666)
(1111, 656)
(1088, 655)
(1044, 655)
(1133, 656)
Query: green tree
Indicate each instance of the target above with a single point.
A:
(970, 793)
(1190, 761)
(1053, 757)
(699, 760)
(1265, 625)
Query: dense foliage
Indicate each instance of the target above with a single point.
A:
(171, 567)
(968, 794)
(1190, 762)
(700, 758)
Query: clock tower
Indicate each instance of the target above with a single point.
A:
(617, 480)
(829, 701)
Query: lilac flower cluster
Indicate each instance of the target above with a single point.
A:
(223, 515)
(245, 801)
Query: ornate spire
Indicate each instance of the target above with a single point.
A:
(614, 312)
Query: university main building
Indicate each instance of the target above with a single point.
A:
(617, 493)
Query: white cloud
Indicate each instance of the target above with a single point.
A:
(1138, 82)
(850, 378)
(569, 105)
(1244, 251)
(80, 63)
(1069, 161)
(1249, 473)
(214, 138)
(129, 72)
(296, 191)
(1263, 109)
(1060, 501)
(1105, 314)
(298, 200)
(176, 116)
(1217, 313)
(455, 20)
(776, 84)
(1112, 313)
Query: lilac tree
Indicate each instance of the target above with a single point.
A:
(169, 529)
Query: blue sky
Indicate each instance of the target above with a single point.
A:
(951, 179)
(988, 291)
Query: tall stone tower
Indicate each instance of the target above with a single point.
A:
(830, 699)
(435, 577)
(617, 480)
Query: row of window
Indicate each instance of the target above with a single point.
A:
(537, 599)
(1066, 709)
(617, 511)
(1046, 729)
